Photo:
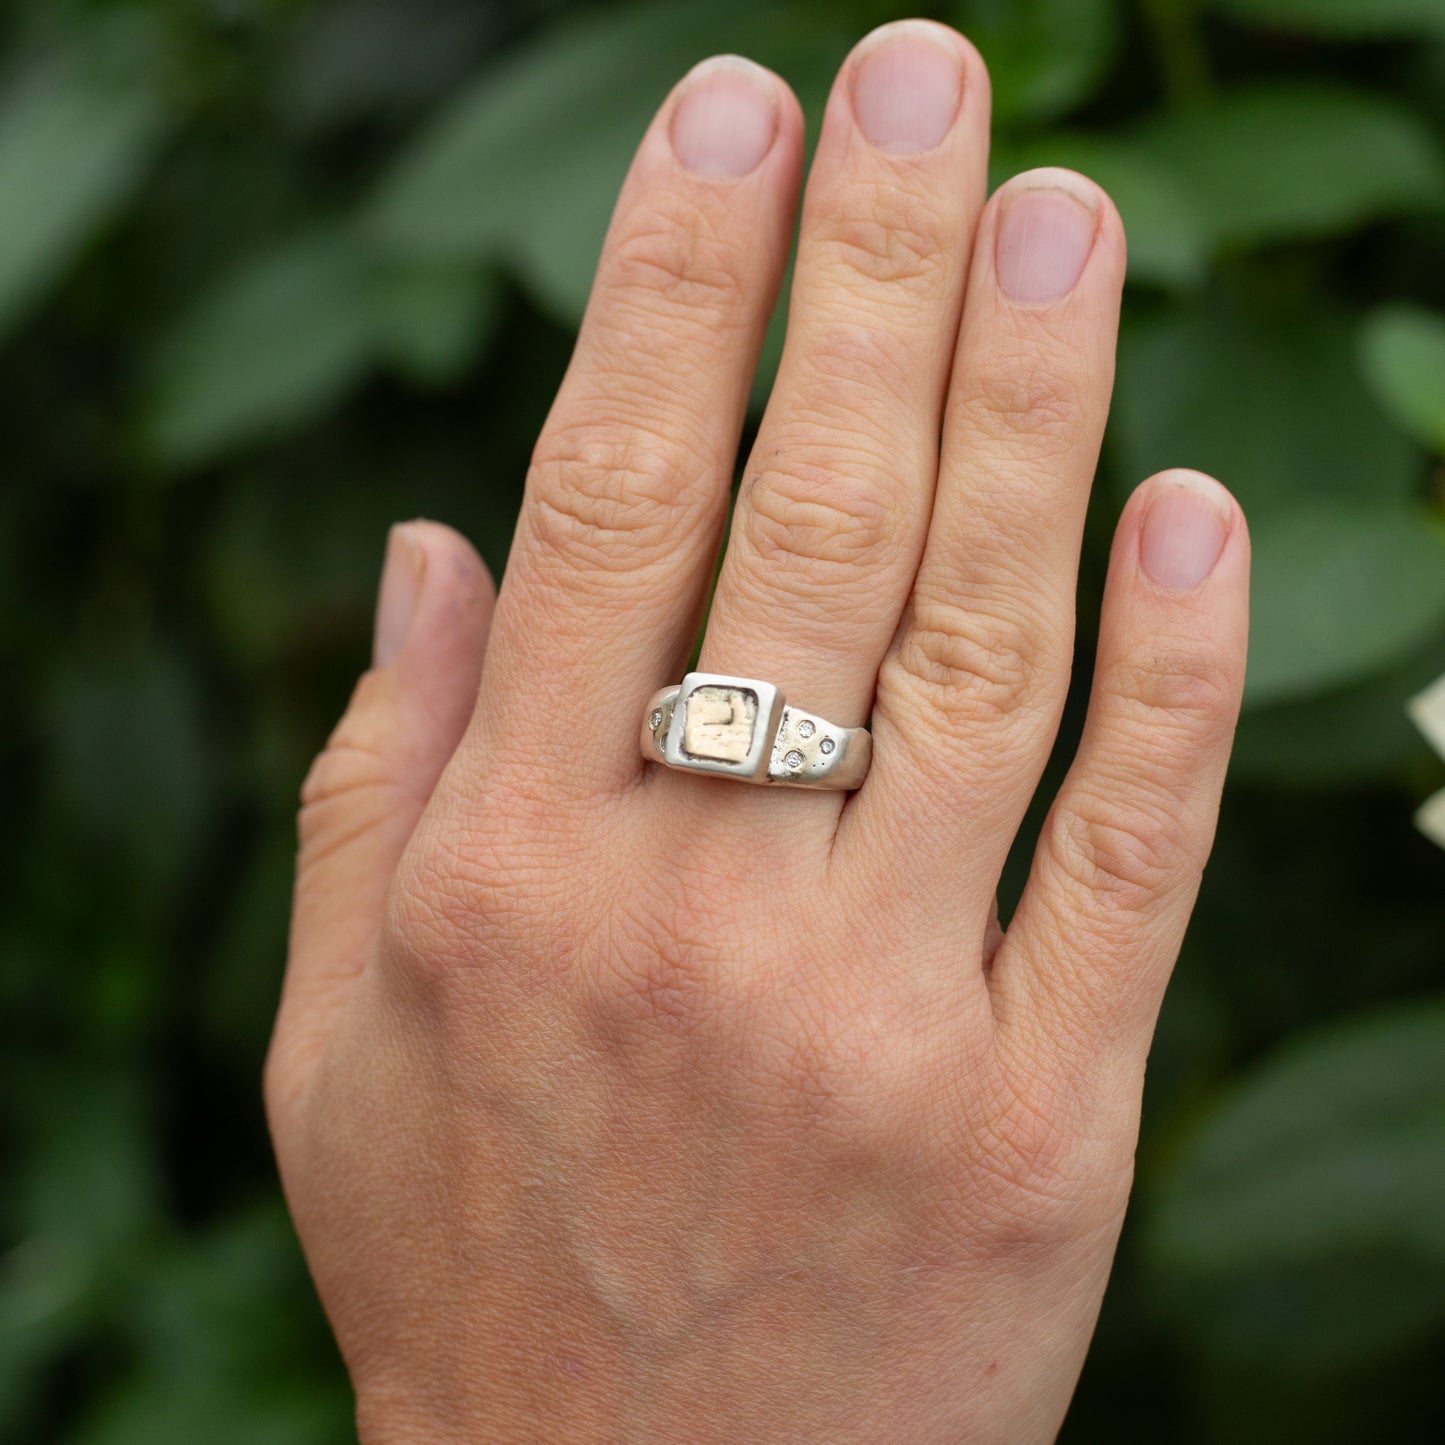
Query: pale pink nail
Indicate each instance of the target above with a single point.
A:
(401, 576)
(1045, 234)
(1185, 528)
(726, 118)
(907, 84)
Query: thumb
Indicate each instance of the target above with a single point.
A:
(365, 792)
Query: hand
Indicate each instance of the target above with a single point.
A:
(614, 1103)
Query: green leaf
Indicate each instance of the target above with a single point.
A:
(91, 1175)
(284, 336)
(1343, 18)
(355, 59)
(217, 1325)
(82, 1190)
(1168, 239)
(165, 1411)
(73, 147)
(241, 981)
(1292, 162)
(1275, 1338)
(47, 1288)
(1044, 56)
(1338, 739)
(1340, 592)
(289, 565)
(1272, 406)
(1349, 576)
(524, 166)
(1330, 1148)
(431, 320)
(1300, 1231)
(274, 342)
(1403, 352)
(527, 161)
(130, 768)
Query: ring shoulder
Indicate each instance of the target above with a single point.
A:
(811, 752)
(656, 720)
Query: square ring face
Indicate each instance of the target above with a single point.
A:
(719, 722)
(723, 725)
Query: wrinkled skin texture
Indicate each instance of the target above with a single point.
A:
(619, 1104)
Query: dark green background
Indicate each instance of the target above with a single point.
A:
(273, 275)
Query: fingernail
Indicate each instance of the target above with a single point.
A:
(1045, 234)
(1185, 527)
(907, 84)
(401, 576)
(726, 119)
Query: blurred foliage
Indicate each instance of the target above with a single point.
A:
(276, 272)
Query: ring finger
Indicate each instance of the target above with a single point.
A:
(972, 689)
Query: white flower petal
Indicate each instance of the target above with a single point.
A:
(1428, 711)
(1431, 818)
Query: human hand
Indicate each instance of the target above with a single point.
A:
(614, 1103)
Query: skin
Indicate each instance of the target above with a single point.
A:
(618, 1104)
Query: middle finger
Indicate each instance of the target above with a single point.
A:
(835, 499)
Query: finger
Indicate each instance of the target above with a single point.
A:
(628, 487)
(1119, 861)
(364, 794)
(970, 694)
(834, 503)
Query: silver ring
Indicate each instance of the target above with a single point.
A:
(738, 727)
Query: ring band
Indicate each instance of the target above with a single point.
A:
(738, 727)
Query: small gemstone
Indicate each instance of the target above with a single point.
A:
(794, 759)
(806, 729)
(655, 721)
(827, 745)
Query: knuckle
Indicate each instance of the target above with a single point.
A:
(966, 668)
(479, 889)
(817, 521)
(850, 365)
(429, 926)
(641, 990)
(1021, 396)
(843, 1071)
(349, 789)
(1165, 693)
(807, 1059)
(1126, 857)
(610, 498)
(1039, 1164)
(341, 768)
(1024, 1147)
(451, 908)
(890, 235)
(683, 261)
(658, 974)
